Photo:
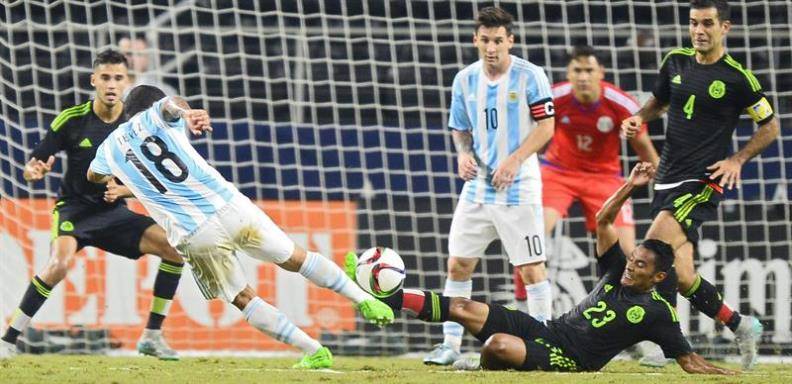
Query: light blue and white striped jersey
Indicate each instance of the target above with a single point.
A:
(156, 161)
(500, 114)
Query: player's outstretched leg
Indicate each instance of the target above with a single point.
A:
(326, 274)
(268, 319)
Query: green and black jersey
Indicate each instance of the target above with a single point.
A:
(612, 318)
(705, 103)
(78, 131)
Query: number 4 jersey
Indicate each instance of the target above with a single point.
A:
(612, 318)
(704, 106)
(155, 160)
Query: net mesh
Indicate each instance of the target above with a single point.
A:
(332, 115)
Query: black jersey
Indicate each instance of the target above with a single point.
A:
(705, 103)
(78, 131)
(612, 318)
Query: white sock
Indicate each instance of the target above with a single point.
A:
(452, 331)
(540, 301)
(326, 274)
(268, 319)
(521, 305)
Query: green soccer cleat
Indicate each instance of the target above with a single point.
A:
(319, 360)
(350, 264)
(376, 312)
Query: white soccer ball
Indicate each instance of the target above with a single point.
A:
(380, 271)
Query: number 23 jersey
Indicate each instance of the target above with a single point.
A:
(612, 318)
(156, 161)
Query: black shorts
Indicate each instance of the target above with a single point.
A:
(113, 228)
(691, 203)
(543, 349)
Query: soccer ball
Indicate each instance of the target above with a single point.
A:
(380, 271)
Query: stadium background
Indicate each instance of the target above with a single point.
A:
(332, 115)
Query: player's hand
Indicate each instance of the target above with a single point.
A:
(35, 169)
(631, 126)
(504, 175)
(641, 174)
(728, 170)
(197, 121)
(468, 168)
(116, 191)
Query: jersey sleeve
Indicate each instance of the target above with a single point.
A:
(458, 118)
(539, 95)
(99, 164)
(669, 337)
(49, 146)
(662, 88)
(753, 100)
(612, 262)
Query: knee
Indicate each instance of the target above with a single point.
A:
(533, 273)
(461, 269)
(495, 348)
(243, 298)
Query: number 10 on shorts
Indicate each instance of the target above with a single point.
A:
(534, 245)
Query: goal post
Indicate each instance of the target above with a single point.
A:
(331, 115)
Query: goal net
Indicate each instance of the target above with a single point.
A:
(331, 115)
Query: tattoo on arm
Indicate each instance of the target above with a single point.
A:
(652, 109)
(463, 142)
(173, 108)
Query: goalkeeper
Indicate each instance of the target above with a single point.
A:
(623, 309)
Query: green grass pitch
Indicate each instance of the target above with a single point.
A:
(374, 370)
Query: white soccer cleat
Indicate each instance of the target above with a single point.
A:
(152, 343)
(651, 355)
(747, 335)
(472, 363)
(7, 350)
(442, 354)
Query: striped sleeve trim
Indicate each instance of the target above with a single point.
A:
(678, 51)
(622, 99)
(68, 113)
(752, 81)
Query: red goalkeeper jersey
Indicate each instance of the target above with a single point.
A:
(587, 135)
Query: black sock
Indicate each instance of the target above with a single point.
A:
(164, 289)
(704, 297)
(36, 294)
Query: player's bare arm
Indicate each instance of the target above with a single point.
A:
(35, 169)
(116, 191)
(652, 110)
(98, 178)
(641, 174)
(694, 363)
(645, 150)
(466, 161)
(503, 176)
(728, 170)
(197, 119)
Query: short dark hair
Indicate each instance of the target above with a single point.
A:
(141, 98)
(582, 51)
(493, 17)
(722, 6)
(664, 254)
(110, 56)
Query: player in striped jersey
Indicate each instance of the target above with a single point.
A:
(208, 220)
(704, 91)
(501, 115)
(86, 214)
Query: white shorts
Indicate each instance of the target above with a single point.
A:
(520, 229)
(211, 250)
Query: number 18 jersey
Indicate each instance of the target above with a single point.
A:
(155, 160)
